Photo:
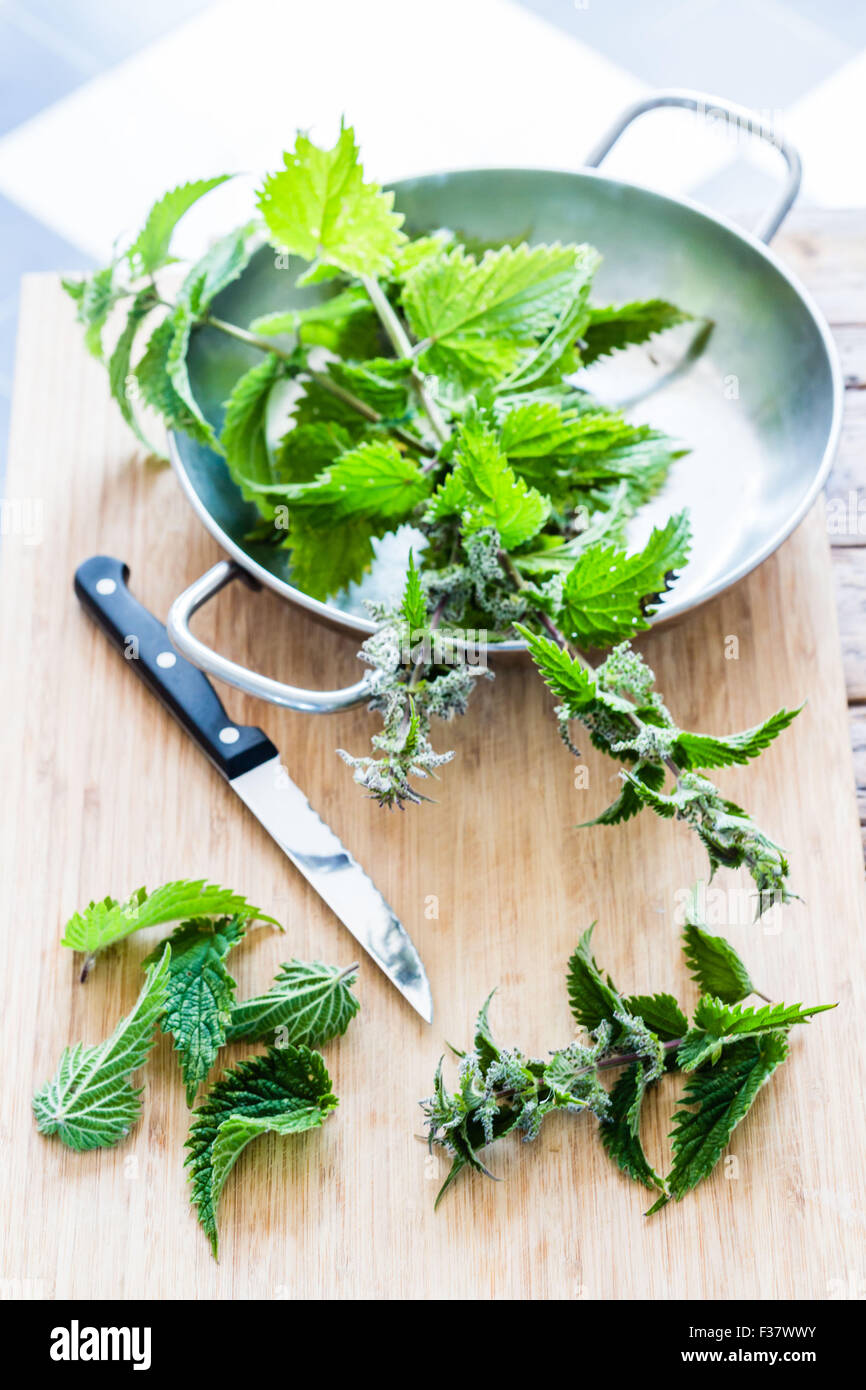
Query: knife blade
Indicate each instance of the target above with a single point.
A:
(252, 766)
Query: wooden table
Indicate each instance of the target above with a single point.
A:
(102, 793)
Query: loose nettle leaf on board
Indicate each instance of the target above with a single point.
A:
(103, 923)
(286, 1091)
(727, 1052)
(434, 386)
(90, 1103)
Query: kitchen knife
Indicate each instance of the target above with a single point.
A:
(251, 765)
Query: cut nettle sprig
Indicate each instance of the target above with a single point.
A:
(727, 1053)
(627, 719)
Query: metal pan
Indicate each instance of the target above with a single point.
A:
(759, 406)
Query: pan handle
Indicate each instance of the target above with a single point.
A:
(741, 117)
(250, 682)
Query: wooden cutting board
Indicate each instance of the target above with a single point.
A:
(103, 793)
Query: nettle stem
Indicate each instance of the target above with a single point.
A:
(243, 335)
(400, 342)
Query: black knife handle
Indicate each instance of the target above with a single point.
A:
(186, 692)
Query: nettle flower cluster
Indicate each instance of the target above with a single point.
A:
(432, 389)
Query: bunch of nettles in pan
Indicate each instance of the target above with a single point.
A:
(431, 385)
(726, 1053)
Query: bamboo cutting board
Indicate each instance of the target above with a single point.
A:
(103, 793)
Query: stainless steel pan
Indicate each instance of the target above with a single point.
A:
(759, 406)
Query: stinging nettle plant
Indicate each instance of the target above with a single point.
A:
(727, 1052)
(434, 389)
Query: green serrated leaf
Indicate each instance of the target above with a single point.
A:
(319, 207)
(567, 677)
(715, 1025)
(329, 312)
(90, 1103)
(150, 250)
(693, 751)
(608, 594)
(713, 963)
(723, 1095)
(308, 1003)
(483, 318)
(620, 1134)
(157, 386)
(593, 1000)
(200, 993)
(103, 923)
(244, 438)
(120, 362)
(413, 605)
(628, 803)
(661, 1013)
(372, 482)
(98, 296)
(222, 264)
(618, 326)
(325, 560)
(286, 1091)
(381, 382)
(492, 494)
(182, 320)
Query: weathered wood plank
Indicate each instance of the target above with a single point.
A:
(849, 573)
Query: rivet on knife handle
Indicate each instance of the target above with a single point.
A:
(101, 585)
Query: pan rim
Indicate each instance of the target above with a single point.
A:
(670, 611)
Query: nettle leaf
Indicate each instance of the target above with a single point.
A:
(620, 1134)
(200, 993)
(593, 1000)
(305, 451)
(716, 1024)
(244, 438)
(150, 250)
(286, 1091)
(714, 964)
(567, 677)
(164, 359)
(95, 297)
(371, 482)
(608, 593)
(326, 559)
(618, 326)
(90, 1103)
(103, 923)
(723, 1095)
(381, 382)
(492, 494)
(629, 803)
(413, 605)
(120, 362)
(308, 1003)
(319, 207)
(482, 318)
(661, 1013)
(222, 264)
(181, 321)
(327, 312)
(693, 751)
